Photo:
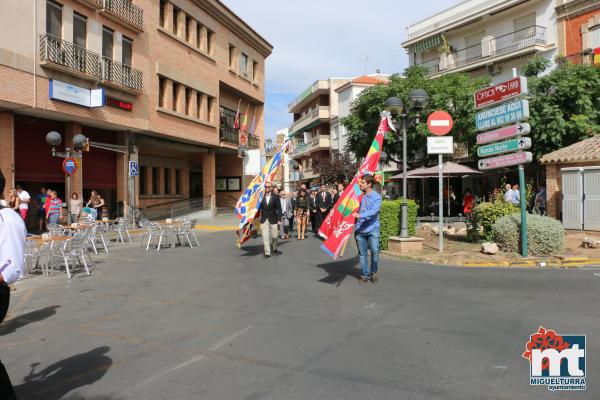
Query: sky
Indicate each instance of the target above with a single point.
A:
(319, 39)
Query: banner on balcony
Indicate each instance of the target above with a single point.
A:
(75, 94)
(339, 224)
(247, 208)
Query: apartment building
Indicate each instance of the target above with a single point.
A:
(484, 37)
(158, 82)
(578, 29)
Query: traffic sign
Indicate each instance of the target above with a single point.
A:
(439, 123)
(134, 168)
(505, 161)
(504, 133)
(504, 147)
(503, 114)
(69, 166)
(440, 145)
(500, 92)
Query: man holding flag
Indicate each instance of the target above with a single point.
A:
(366, 231)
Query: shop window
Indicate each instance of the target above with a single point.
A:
(53, 18)
(177, 181)
(143, 179)
(155, 181)
(162, 89)
(167, 180)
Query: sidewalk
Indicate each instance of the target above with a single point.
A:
(225, 222)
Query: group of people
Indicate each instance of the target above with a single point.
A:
(49, 206)
(537, 203)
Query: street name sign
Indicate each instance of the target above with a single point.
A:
(508, 160)
(500, 92)
(503, 114)
(504, 147)
(440, 123)
(503, 133)
(440, 145)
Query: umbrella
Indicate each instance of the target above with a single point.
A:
(414, 173)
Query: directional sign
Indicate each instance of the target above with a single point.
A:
(439, 123)
(500, 92)
(503, 133)
(440, 145)
(504, 147)
(503, 114)
(69, 166)
(505, 161)
(134, 169)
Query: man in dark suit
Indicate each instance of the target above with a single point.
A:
(312, 207)
(270, 215)
(323, 201)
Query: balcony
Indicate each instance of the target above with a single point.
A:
(95, 4)
(317, 88)
(491, 49)
(124, 11)
(232, 136)
(313, 117)
(316, 143)
(64, 56)
(122, 76)
(583, 58)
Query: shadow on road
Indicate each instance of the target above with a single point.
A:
(22, 320)
(62, 377)
(338, 270)
(258, 249)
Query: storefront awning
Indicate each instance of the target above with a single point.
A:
(307, 127)
(426, 44)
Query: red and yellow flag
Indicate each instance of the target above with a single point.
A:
(339, 224)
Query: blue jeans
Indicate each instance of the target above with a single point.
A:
(364, 241)
(53, 219)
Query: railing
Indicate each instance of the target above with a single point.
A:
(127, 11)
(584, 58)
(465, 56)
(229, 135)
(121, 74)
(253, 141)
(518, 40)
(176, 208)
(432, 65)
(69, 55)
(94, 3)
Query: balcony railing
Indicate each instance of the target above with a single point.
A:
(126, 11)
(121, 74)
(253, 141)
(465, 56)
(232, 136)
(91, 3)
(517, 40)
(584, 58)
(432, 65)
(69, 55)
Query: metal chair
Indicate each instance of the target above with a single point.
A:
(156, 232)
(186, 231)
(122, 227)
(75, 250)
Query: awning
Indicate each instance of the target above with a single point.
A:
(307, 127)
(426, 44)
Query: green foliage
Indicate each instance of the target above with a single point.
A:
(545, 235)
(389, 219)
(564, 104)
(450, 92)
(485, 215)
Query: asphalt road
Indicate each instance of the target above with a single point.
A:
(216, 322)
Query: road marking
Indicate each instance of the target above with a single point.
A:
(220, 343)
(500, 366)
(370, 306)
(598, 275)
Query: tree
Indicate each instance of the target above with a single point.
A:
(564, 104)
(450, 92)
(334, 166)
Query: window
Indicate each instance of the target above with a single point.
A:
(188, 101)
(155, 188)
(244, 65)
(177, 181)
(175, 96)
(188, 29)
(209, 101)
(198, 34)
(209, 41)
(594, 37)
(162, 89)
(227, 117)
(198, 104)
(143, 179)
(53, 18)
(167, 180)
(107, 42)
(127, 51)
(231, 56)
(79, 29)
(524, 26)
(163, 12)
(254, 71)
(175, 19)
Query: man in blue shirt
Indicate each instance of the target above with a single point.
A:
(366, 231)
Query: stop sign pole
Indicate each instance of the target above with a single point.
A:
(440, 123)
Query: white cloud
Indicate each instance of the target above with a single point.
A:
(317, 39)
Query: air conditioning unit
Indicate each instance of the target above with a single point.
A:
(493, 69)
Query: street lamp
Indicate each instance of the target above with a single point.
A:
(417, 101)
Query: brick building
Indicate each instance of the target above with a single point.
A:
(157, 81)
(578, 27)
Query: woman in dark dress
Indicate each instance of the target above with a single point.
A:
(302, 213)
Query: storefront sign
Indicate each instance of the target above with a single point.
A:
(503, 114)
(504, 147)
(505, 161)
(503, 133)
(122, 104)
(440, 145)
(76, 95)
(502, 91)
(69, 166)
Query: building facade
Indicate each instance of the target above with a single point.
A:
(484, 37)
(157, 82)
(578, 29)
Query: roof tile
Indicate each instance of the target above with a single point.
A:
(586, 150)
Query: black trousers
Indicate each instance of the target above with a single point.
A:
(6, 389)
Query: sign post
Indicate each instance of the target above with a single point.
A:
(505, 107)
(440, 123)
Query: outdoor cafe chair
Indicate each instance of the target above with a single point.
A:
(75, 250)
(186, 231)
(32, 253)
(56, 230)
(121, 228)
(155, 233)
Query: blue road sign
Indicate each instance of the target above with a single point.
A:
(503, 114)
(134, 169)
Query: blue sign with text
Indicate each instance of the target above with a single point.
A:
(504, 114)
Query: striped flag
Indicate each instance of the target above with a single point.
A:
(339, 224)
(253, 125)
(244, 127)
(236, 123)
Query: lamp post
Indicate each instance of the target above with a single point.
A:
(417, 101)
(54, 139)
(382, 162)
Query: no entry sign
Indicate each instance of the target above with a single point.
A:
(439, 123)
